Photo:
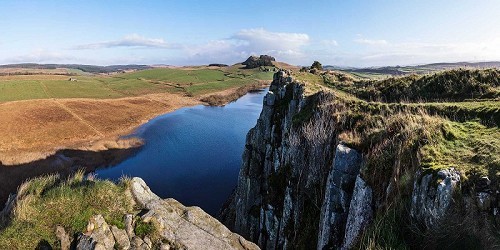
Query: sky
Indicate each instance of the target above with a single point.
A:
(344, 33)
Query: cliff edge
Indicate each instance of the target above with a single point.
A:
(327, 170)
(84, 213)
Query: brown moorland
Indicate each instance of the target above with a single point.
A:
(35, 129)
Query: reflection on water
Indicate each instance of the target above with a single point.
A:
(193, 154)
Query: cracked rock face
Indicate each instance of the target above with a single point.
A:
(179, 227)
(431, 202)
(185, 227)
(360, 213)
(338, 192)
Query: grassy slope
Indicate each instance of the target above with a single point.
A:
(46, 202)
(193, 82)
(399, 138)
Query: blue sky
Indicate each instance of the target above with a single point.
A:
(347, 33)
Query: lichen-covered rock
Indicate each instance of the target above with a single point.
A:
(121, 238)
(339, 188)
(431, 202)
(360, 213)
(84, 242)
(484, 201)
(129, 227)
(100, 231)
(142, 193)
(185, 227)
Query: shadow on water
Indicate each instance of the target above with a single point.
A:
(192, 155)
(64, 162)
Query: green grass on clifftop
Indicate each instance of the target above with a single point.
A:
(46, 202)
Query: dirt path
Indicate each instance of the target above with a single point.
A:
(78, 117)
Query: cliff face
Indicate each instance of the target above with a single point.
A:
(300, 187)
(297, 181)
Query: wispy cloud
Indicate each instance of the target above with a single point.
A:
(40, 56)
(371, 41)
(133, 40)
(246, 42)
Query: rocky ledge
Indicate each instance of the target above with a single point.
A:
(179, 227)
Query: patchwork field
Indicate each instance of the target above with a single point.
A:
(41, 114)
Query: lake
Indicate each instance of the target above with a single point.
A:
(193, 154)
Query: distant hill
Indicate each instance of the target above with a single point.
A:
(85, 68)
(387, 71)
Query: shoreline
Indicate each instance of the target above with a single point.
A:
(86, 156)
(114, 139)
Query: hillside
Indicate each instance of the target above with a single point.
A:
(388, 71)
(94, 69)
(326, 168)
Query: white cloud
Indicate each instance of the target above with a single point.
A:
(286, 46)
(262, 39)
(329, 43)
(426, 52)
(133, 40)
(40, 56)
(370, 41)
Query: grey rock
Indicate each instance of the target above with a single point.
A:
(129, 225)
(185, 227)
(85, 242)
(483, 201)
(7, 209)
(63, 237)
(360, 213)
(136, 243)
(339, 187)
(141, 192)
(100, 231)
(269, 99)
(164, 247)
(121, 238)
(148, 241)
(431, 202)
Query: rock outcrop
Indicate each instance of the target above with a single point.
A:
(290, 188)
(179, 227)
(338, 191)
(258, 61)
(360, 213)
(431, 202)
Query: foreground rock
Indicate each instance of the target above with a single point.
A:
(177, 226)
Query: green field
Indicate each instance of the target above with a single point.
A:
(191, 82)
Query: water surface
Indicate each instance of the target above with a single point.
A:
(193, 154)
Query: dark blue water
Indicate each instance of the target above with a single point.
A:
(193, 154)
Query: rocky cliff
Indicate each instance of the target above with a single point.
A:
(302, 187)
(141, 221)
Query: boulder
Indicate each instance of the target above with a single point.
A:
(129, 225)
(431, 202)
(141, 192)
(100, 232)
(84, 242)
(121, 238)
